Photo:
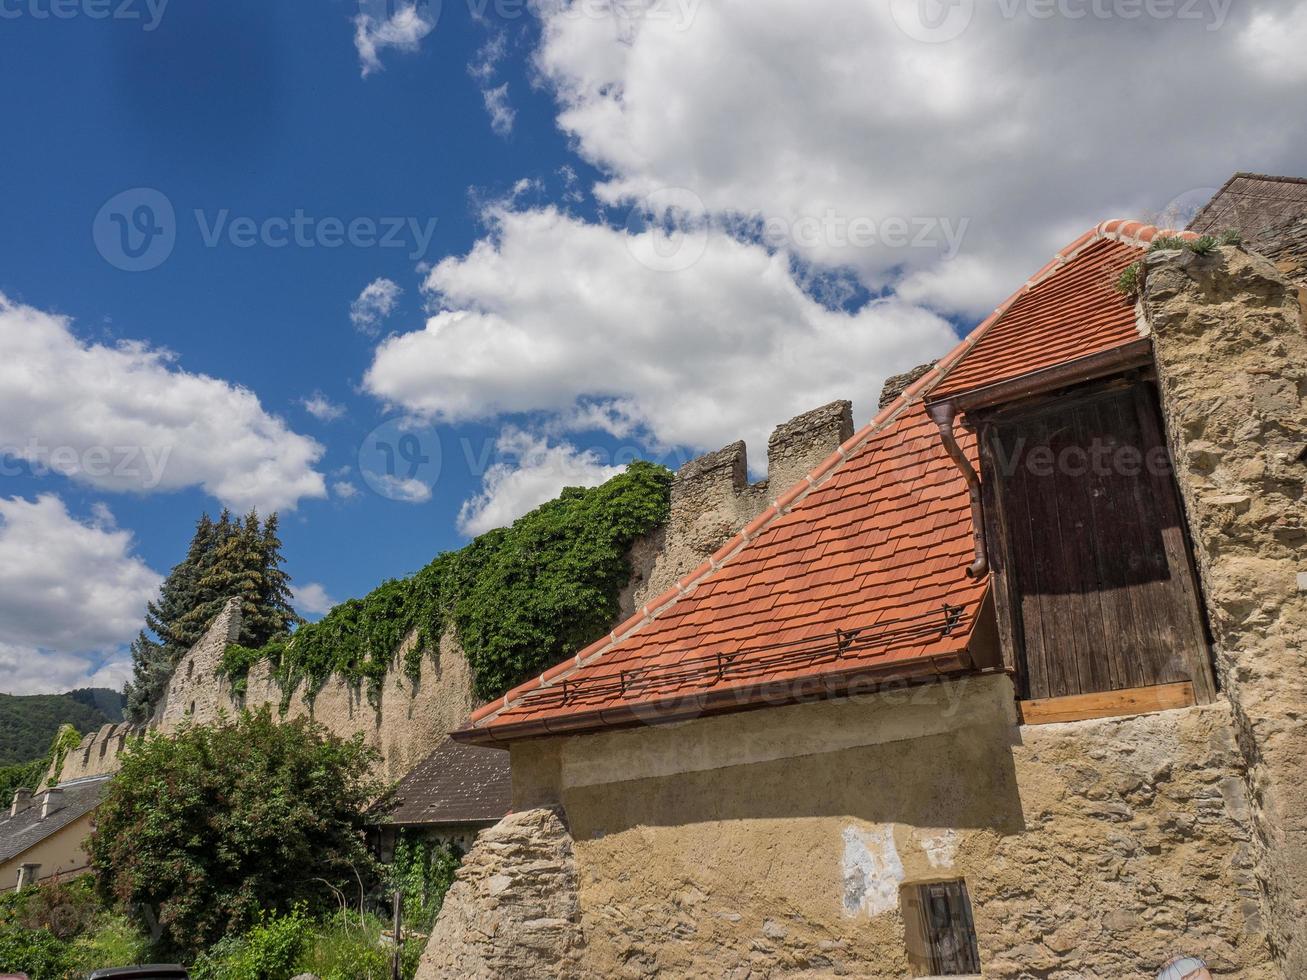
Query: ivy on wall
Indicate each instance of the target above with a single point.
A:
(519, 598)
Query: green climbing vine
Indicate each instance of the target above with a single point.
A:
(519, 598)
(423, 869)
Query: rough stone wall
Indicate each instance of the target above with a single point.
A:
(777, 842)
(712, 497)
(512, 910)
(1231, 348)
(408, 721)
(97, 754)
(193, 690)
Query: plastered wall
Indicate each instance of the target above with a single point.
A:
(776, 842)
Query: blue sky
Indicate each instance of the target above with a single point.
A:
(614, 229)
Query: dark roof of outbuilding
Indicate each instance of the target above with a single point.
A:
(455, 784)
(1254, 205)
(26, 828)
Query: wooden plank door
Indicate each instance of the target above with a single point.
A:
(1098, 581)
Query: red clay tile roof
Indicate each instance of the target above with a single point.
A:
(1069, 310)
(854, 573)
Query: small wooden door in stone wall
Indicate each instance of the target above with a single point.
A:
(1091, 558)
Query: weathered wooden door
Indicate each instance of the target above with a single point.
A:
(1100, 586)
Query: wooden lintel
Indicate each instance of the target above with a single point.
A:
(1108, 704)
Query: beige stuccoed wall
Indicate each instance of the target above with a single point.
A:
(60, 854)
(776, 841)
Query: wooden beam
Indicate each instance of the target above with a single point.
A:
(1108, 704)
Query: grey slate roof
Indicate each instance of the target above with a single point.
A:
(1254, 205)
(26, 828)
(455, 784)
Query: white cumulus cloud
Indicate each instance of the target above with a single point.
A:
(127, 418)
(1030, 125)
(376, 30)
(312, 598)
(529, 472)
(72, 595)
(374, 304)
(556, 315)
(323, 408)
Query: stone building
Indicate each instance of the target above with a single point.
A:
(1009, 684)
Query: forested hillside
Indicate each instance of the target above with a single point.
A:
(29, 722)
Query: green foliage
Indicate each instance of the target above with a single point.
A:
(339, 947)
(1205, 245)
(225, 558)
(520, 598)
(30, 774)
(25, 775)
(1131, 279)
(1172, 243)
(60, 931)
(1229, 237)
(37, 952)
(28, 722)
(218, 824)
(422, 870)
(64, 742)
(267, 952)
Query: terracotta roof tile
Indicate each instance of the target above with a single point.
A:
(860, 566)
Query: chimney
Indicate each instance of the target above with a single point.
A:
(894, 386)
(52, 801)
(22, 800)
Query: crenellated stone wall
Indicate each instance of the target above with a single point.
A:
(1230, 337)
(98, 752)
(711, 500)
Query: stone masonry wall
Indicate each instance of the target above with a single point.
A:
(409, 721)
(1231, 348)
(98, 752)
(712, 498)
(776, 843)
(512, 910)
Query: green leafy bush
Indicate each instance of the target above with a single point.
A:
(340, 947)
(520, 598)
(37, 952)
(216, 824)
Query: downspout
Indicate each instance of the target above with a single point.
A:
(943, 415)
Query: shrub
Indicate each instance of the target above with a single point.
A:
(213, 826)
(37, 952)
